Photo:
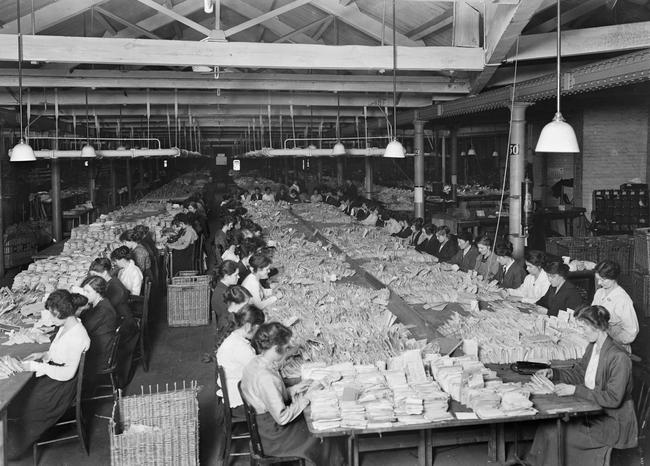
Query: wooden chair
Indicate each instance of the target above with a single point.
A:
(140, 309)
(641, 397)
(110, 371)
(50, 436)
(257, 453)
(231, 421)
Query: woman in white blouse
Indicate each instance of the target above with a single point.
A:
(260, 265)
(130, 274)
(236, 352)
(281, 426)
(623, 323)
(47, 396)
(536, 283)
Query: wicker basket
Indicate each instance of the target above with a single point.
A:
(584, 249)
(642, 250)
(190, 277)
(167, 431)
(640, 293)
(618, 248)
(188, 302)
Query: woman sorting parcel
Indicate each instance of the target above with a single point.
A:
(604, 377)
(282, 427)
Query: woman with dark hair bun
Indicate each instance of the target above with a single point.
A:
(234, 299)
(236, 351)
(561, 294)
(47, 396)
(447, 245)
(623, 325)
(225, 275)
(260, 266)
(129, 273)
(604, 377)
(465, 257)
(486, 262)
(139, 253)
(416, 231)
(183, 245)
(281, 426)
(536, 283)
(511, 273)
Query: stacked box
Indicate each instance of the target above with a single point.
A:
(618, 211)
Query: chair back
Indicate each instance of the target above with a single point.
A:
(251, 419)
(111, 364)
(221, 382)
(80, 386)
(641, 396)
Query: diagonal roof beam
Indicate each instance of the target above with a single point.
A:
(159, 20)
(505, 24)
(274, 25)
(305, 28)
(128, 24)
(352, 15)
(110, 30)
(50, 15)
(265, 17)
(180, 18)
(435, 25)
(323, 28)
(568, 16)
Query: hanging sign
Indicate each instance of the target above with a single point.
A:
(221, 160)
(513, 149)
(236, 166)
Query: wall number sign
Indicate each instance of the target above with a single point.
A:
(513, 149)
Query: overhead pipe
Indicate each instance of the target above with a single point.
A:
(126, 153)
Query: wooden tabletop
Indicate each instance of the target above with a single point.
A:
(11, 386)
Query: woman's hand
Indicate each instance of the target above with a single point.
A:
(300, 388)
(34, 357)
(455, 268)
(28, 366)
(548, 373)
(563, 389)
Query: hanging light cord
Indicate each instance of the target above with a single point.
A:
(559, 51)
(20, 68)
(394, 77)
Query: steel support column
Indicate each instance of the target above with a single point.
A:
(418, 169)
(517, 161)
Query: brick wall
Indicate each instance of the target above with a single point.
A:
(614, 147)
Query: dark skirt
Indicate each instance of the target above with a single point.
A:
(580, 445)
(294, 439)
(36, 408)
(182, 259)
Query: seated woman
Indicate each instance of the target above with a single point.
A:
(623, 323)
(129, 273)
(416, 231)
(427, 242)
(48, 395)
(268, 195)
(511, 273)
(604, 377)
(316, 196)
(224, 276)
(561, 294)
(406, 229)
(447, 245)
(260, 266)
(100, 321)
(182, 245)
(139, 253)
(234, 299)
(142, 235)
(236, 352)
(281, 426)
(465, 257)
(536, 283)
(486, 262)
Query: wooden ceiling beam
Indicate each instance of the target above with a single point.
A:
(588, 41)
(50, 15)
(352, 16)
(124, 22)
(323, 28)
(77, 97)
(159, 20)
(177, 17)
(274, 25)
(141, 52)
(574, 13)
(432, 26)
(302, 29)
(265, 17)
(505, 23)
(110, 30)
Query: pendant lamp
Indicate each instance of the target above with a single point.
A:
(394, 149)
(22, 152)
(87, 150)
(471, 151)
(558, 135)
(339, 148)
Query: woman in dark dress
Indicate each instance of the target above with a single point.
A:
(140, 255)
(447, 245)
(561, 295)
(100, 320)
(118, 296)
(234, 299)
(143, 236)
(47, 396)
(183, 244)
(281, 425)
(512, 273)
(225, 275)
(604, 377)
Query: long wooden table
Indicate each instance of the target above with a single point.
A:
(10, 387)
(550, 407)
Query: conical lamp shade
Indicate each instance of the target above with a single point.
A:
(22, 152)
(557, 136)
(338, 149)
(88, 151)
(495, 154)
(395, 150)
(471, 151)
(119, 148)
